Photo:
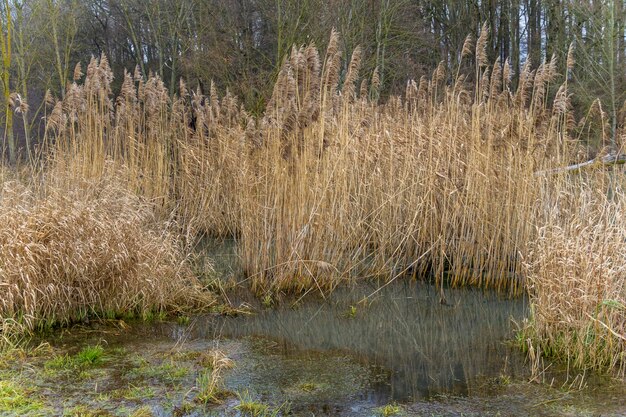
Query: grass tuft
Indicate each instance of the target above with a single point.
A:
(209, 381)
(16, 400)
(90, 355)
(252, 408)
(389, 410)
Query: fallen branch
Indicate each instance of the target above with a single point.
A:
(601, 161)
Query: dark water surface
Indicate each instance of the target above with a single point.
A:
(425, 348)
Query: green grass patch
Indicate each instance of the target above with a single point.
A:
(88, 357)
(249, 407)
(18, 400)
(60, 362)
(208, 384)
(168, 371)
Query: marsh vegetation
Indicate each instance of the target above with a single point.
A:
(457, 182)
(327, 187)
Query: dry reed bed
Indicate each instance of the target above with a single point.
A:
(90, 250)
(577, 275)
(330, 185)
(441, 181)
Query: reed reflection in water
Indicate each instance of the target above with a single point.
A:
(428, 348)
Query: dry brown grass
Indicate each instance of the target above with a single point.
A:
(576, 269)
(90, 250)
(438, 182)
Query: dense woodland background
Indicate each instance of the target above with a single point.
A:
(240, 44)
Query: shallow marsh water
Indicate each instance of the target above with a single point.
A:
(361, 349)
(425, 347)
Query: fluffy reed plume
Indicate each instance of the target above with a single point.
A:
(78, 72)
(524, 85)
(468, 45)
(363, 89)
(137, 74)
(507, 75)
(496, 79)
(352, 76)
(570, 57)
(539, 87)
(423, 90)
(551, 69)
(49, 99)
(481, 47)
(484, 84)
(311, 91)
(90, 250)
(562, 109)
(375, 82)
(439, 75)
(332, 62)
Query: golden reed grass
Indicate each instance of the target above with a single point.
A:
(330, 185)
(93, 250)
(576, 270)
(440, 182)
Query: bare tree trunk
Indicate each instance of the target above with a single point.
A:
(534, 32)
